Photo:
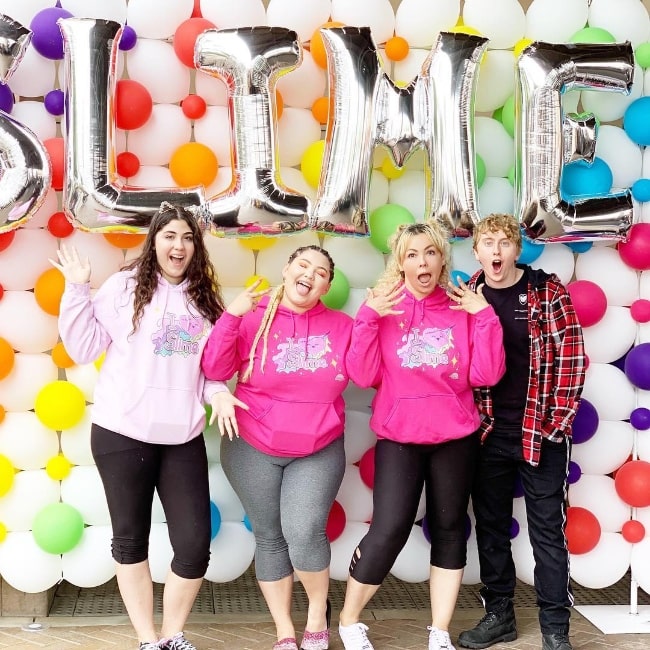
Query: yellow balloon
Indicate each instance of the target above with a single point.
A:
(521, 45)
(389, 170)
(58, 467)
(312, 162)
(3, 532)
(264, 284)
(60, 405)
(7, 473)
(465, 29)
(99, 361)
(257, 243)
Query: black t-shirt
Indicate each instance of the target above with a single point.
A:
(509, 395)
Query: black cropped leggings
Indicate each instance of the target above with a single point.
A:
(446, 471)
(131, 470)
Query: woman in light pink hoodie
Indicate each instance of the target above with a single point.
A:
(424, 351)
(287, 466)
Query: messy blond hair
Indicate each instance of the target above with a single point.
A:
(495, 222)
(399, 242)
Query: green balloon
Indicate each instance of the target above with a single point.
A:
(511, 176)
(383, 223)
(508, 116)
(338, 293)
(57, 528)
(497, 113)
(480, 171)
(592, 35)
(642, 55)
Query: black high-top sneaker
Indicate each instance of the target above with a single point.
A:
(497, 625)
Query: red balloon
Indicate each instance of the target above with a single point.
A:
(133, 104)
(59, 225)
(185, 38)
(633, 531)
(367, 468)
(335, 522)
(56, 151)
(589, 301)
(128, 164)
(196, 12)
(2, 291)
(6, 238)
(632, 483)
(635, 251)
(582, 530)
(193, 107)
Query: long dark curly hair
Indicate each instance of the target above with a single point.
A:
(203, 286)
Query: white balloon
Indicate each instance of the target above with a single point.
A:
(32, 490)
(304, 85)
(408, 191)
(556, 259)
(25, 566)
(356, 298)
(610, 106)
(297, 129)
(25, 325)
(35, 76)
(152, 176)
(165, 131)
(413, 562)
(496, 196)
(639, 563)
(407, 69)
(158, 18)
(358, 435)
(223, 496)
(355, 496)
(462, 256)
(603, 265)
(611, 337)
(376, 14)
(84, 377)
(213, 130)
(420, 21)
(357, 258)
(26, 442)
(83, 489)
(75, 442)
(472, 571)
(598, 495)
(542, 23)
(160, 552)
(18, 390)
(213, 90)
(495, 146)
(606, 450)
(234, 263)
(236, 543)
(155, 65)
(609, 391)
(106, 9)
(271, 261)
(293, 179)
(24, 10)
(626, 20)
(43, 214)
(35, 117)
(502, 21)
(496, 81)
(623, 156)
(378, 192)
(230, 15)
(105, 259)
(90, 564)
(643, 445)
(343, 547)
(302, 17)
(604, 565)
(34, 245)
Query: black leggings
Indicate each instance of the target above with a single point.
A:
(446, 470)
(130, 471)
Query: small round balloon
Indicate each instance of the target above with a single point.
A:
(60, 405)
(215, 520)
(632, 483)
(58, 467)
(640, 418)
(384, 221)
(7, 358)
(633, 531)
(57, 528)
(7, 473)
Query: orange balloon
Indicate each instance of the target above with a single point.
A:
(320, 109)
(279, 104)
(124, 239)
(7, 356)
(60, 356)
(397, 48)
(193, 164)
(316, 46)
(48, 291)
(2, 413)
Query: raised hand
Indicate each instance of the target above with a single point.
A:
(384, 302)
(466, 299)
(74, 269)
(247, 300)
(223, 411)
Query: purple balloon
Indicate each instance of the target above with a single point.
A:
(514, 528)
(47, 38)
(574, 473)
(128, 38)
(640, 418)
(637, 366)
(585, 422)
(53, 102)
(425, 530)
(6, 98)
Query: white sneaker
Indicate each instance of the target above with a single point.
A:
(439, 639)
(354, 637)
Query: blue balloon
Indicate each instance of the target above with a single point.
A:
(455, 276)
(641, 190)
(530, 251)
(247, 523)
(580, 246)
(636, 121)
(215, 520)
(581, 180)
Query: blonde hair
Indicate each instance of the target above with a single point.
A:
(271, 309)
(399, 242)
(495, 222)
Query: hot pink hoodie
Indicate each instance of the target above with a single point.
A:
(424, 364)
(295, 403)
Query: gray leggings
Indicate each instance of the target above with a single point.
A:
(287, 501)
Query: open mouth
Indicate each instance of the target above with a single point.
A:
(303, 288)
(496, 265)
(424, 278)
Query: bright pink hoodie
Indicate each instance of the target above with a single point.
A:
(425, 363)
(296, 406)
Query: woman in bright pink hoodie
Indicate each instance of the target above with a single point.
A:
(425, 352)
(288, 462)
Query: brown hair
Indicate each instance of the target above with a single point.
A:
(203, 287)
(495, 222)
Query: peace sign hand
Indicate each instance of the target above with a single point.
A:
(74, 269)
(247, 300)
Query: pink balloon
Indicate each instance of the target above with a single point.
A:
(640, 310)
(589, 301)
(635, 251)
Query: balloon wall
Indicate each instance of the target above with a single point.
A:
(173, 131)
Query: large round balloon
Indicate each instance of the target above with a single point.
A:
(633, 483)
(60, 405)
(582, 530)
(57, 528)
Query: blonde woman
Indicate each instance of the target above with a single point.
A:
(425, 352)
(287, 462)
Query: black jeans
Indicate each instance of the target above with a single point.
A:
(544, 487)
